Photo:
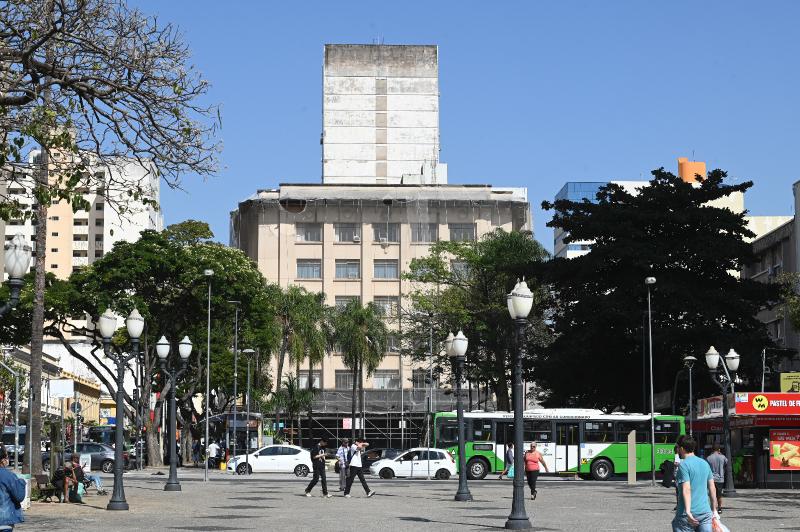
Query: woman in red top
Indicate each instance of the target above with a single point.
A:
(533, 459)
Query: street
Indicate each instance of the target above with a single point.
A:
(276, 502)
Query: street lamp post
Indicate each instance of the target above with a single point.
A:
(17, 262)
(724, 380)
(456, 350)
(208, 274)
(107, 324)
(249, 353)
(235, 372)
(184, 350)
(520, 302)
(689, 361)
(648, 282)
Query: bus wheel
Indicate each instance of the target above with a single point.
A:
(602, 469)
(477, 469)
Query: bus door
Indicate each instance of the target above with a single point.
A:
(504, 434)
(567, 446)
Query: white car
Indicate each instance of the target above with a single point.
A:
(417, 463)
(281, 458)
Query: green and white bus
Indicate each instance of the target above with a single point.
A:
(580, 441)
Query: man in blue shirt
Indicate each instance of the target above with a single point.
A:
(696, 486)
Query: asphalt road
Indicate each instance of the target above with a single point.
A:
(277, 502)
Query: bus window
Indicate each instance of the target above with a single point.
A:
(642, 429)
(447, 432)
(539, 431)
(598, 432)
(481, 430)
(667, 431)
(567, 434)
(504, 431)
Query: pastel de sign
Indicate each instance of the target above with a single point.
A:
(767, 404)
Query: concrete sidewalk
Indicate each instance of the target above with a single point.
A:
(277, 502)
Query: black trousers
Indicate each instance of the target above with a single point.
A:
(355, 471)
(532, 476)
(319, 474)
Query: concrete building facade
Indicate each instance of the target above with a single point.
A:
(380, 114)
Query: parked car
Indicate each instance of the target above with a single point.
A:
(281, 458)
(102, 456)
(416, 463)
(373, 455)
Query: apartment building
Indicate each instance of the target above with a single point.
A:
(383, 199)
(77, 239)
(687, 171)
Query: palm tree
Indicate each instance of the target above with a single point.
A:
(361, 335)
(292, 399)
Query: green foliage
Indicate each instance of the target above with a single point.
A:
(463, 286)
(361, 334)
(291, 398)
(672, 231)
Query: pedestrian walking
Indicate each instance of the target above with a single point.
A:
(718, 463)
(318, 464)
(341, 456)
(12, 493)
(354, 463)
(509, 460)
(533, 461)
(697, 506)
(212, 452)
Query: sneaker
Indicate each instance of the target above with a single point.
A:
(308, 494)
(371, 493)
(535, 493)
(347, 496)
(327, 496)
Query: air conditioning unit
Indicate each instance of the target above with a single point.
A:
(384, 240)
(356, 238)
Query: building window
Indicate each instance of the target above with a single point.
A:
(76, 268)
(462, 232)
(54, 266)
(347, 232)
(98, 206)
(308, 232)
(421, 378)
(316, 379)
(98, 238)
(15, 222)
(98, 253)
(54, 233)
(424, 232)
(80, 221)
(98, 222)
(342, 301)
(80, 238)
(386, 232)
(309, 269)
(344, 379)
(392, 344)
(348, 269)
(9, 237)
(385, 269)
(80, 253)
(386, 379)
(459, 269)
(387, 305)
(53, 250)
(55, 218)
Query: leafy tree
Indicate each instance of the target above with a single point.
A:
(463, 286)
(673, 231)
(93, 83)
(292, 399)
(361, 334)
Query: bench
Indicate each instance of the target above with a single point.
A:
(46, 490)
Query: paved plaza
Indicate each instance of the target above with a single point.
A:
(276, 502)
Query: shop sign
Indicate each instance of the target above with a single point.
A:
(767, 403)
(712, 407)
(790, 382)
(784, 450)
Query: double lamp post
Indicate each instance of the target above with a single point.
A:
(457, 349)
(724, 374)
(173, 373)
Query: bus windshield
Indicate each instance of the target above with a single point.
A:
(447, 432)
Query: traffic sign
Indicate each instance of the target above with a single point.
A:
(75, 407)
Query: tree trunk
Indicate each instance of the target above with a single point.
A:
(310, 404)
(281, 358)
(37, 324)
(361, 396)
(355, 391)
(501, 393)
(154, 456)
(297, 414)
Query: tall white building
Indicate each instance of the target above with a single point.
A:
(380, 115)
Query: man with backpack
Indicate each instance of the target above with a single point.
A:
(355, 464)
(318, 463)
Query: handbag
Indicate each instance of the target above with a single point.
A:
(337, 467)
(510, 473)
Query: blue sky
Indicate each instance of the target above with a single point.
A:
(532, 93)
